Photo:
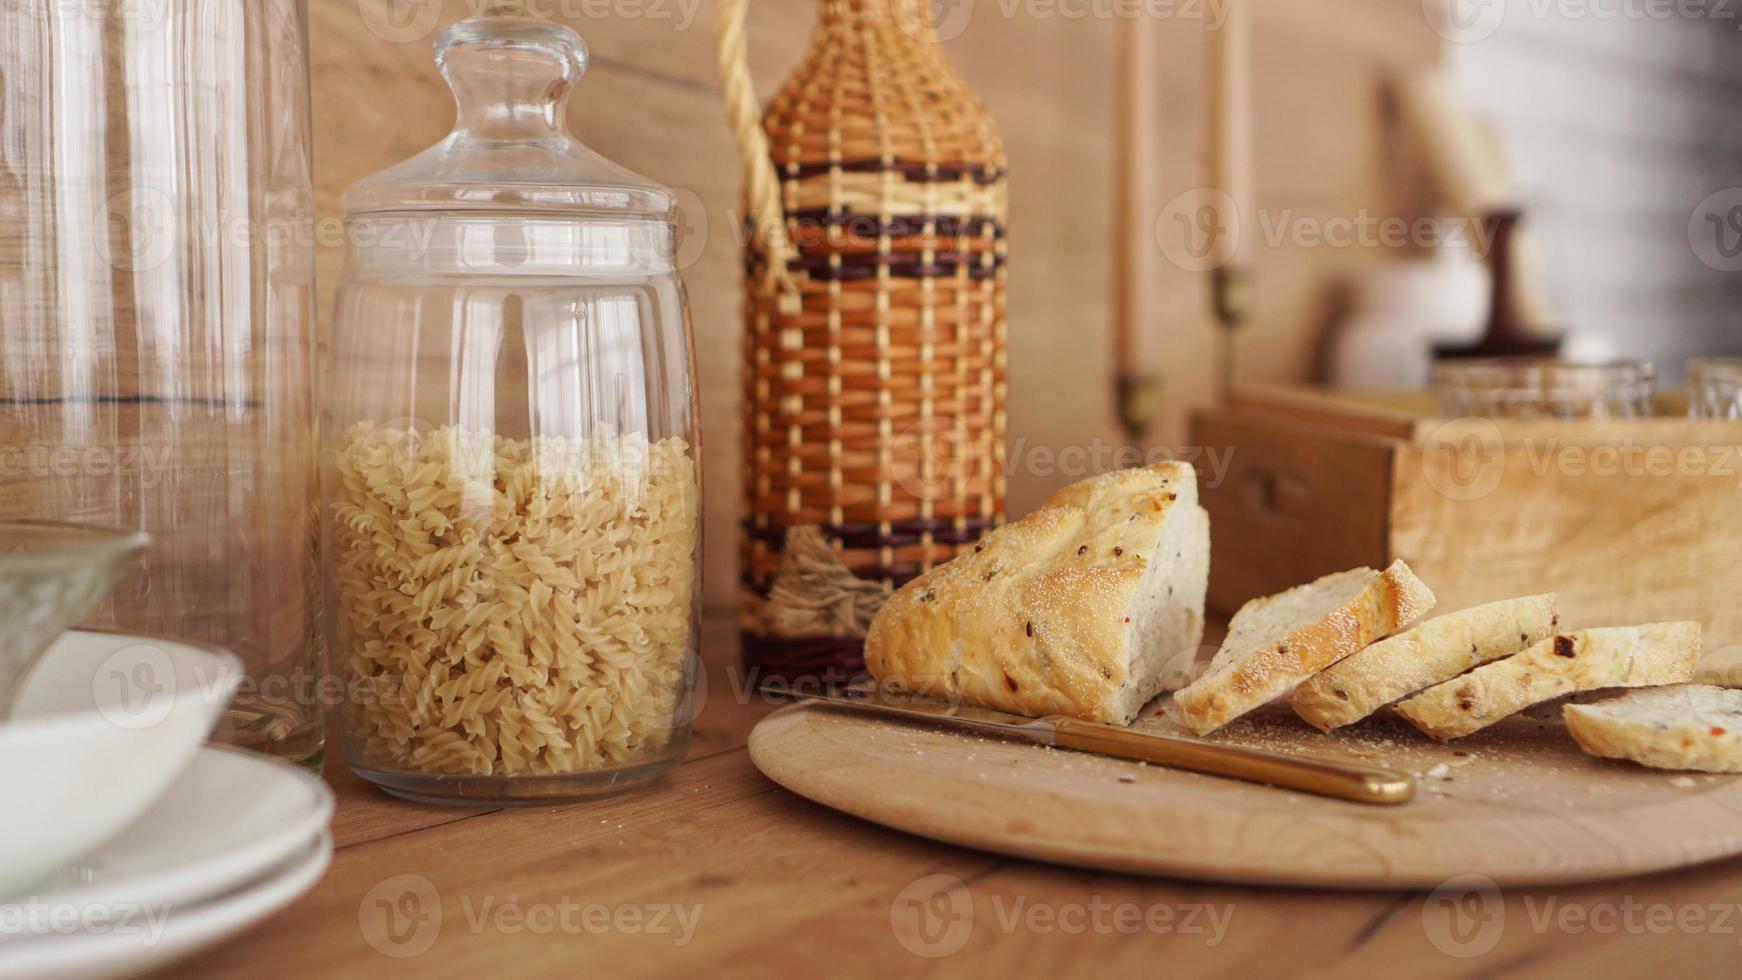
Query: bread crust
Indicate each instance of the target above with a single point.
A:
(1036, 618)
(1388, 601)
(1420, 657)
(1694, 727)
(1565, 663)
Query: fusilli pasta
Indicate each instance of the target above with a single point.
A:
(512, 606)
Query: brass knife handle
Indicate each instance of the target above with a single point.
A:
(1345, 781)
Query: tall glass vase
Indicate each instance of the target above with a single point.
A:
(156, 352)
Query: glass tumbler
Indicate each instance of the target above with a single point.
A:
(156, 361)
(1715, 388)
(1526, 388)
(511, 491)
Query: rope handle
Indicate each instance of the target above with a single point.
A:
(762, 184)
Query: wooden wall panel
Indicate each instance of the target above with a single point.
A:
(651, 102)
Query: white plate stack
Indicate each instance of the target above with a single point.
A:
(126, 844)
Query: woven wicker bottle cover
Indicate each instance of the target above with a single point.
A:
(875, 328)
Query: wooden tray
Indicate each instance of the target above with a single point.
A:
(1519, 804)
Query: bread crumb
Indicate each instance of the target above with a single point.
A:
(1683, 782)
(1128, 778)
(1439, 771)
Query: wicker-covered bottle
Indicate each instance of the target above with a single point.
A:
(875, 344)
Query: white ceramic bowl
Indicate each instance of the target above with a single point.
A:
(101, 727)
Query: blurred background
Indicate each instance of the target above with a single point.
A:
(1377, 125)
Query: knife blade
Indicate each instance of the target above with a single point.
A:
(1322, 777)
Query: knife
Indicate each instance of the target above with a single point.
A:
(1344, 781)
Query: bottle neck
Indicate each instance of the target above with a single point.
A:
(885, 20)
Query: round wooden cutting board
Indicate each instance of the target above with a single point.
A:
(1519, 803)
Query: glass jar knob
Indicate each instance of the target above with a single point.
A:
(511, 75)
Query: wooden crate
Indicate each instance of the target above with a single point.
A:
(1628, 520)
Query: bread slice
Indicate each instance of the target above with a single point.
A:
(1682, 726)
(1076, 609)
(1566, 663)
(1276, 642)
(1437, 650)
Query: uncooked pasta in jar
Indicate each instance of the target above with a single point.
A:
(512, 606)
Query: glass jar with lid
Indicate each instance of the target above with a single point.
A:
(510, 465)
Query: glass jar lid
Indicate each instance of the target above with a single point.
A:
(511, 149)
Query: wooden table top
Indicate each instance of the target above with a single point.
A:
(717, 869)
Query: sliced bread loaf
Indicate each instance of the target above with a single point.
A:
(1420, 657)
(1566, 663)
(1681, 726)
(1076, 609)
(1278, 641)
